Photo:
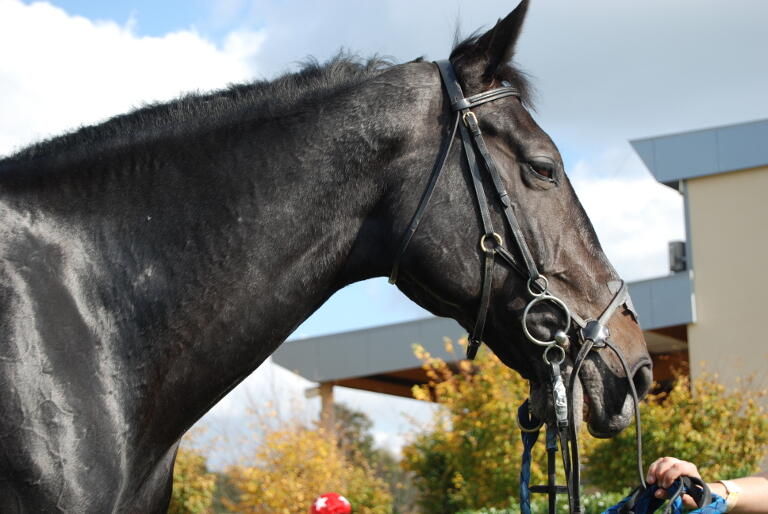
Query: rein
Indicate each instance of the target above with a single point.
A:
(593, 334)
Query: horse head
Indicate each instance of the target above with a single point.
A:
(443, 267)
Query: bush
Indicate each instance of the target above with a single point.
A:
(724, 432)
(193, 486)
(470, 455)
(294, 465)
(594, 503)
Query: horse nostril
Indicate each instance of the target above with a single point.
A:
(643, 379)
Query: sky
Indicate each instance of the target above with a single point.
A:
(605, 72)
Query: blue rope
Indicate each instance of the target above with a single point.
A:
(529, 439)
(646, 503)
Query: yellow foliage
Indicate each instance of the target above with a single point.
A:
(294, 466)
(193, 486)
(470, 455)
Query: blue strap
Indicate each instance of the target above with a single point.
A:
(644, 502)
(529, 439)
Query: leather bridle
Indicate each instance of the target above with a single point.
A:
(592, 333)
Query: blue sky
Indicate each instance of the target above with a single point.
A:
(606, 72)
(151, 18)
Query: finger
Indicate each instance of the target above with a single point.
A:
(675, 470)
(652, 470)
(665, 473)
(688, 501)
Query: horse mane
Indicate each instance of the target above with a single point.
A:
(239, 103)
(196, 111)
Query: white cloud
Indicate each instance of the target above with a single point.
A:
(606, 71)
(60, 71)
(634, 216)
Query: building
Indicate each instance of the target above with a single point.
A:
(722, 174)
(705, 314)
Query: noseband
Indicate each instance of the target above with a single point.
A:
(592, 333)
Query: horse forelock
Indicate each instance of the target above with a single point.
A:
(509, 72)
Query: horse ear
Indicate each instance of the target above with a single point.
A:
(480, 60)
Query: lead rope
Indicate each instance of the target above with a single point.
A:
(576, 472)
(567, 433)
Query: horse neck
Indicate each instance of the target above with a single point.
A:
(196, 258)
(298, 220)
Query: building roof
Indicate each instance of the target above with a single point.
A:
(381, 358)
(698, 153)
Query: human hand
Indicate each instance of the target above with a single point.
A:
(664, 471)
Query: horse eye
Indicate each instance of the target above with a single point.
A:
(545, 170)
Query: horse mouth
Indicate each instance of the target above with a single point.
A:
(604, 403)
(604, 426)
(585, 410)
(608, 408)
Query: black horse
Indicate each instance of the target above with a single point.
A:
(149, 264)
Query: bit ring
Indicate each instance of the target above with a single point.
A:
(546, 352)
(532, 281)
(541, 298)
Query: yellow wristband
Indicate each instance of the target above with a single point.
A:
(732, 492)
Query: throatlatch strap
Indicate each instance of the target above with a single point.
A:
(423, 203)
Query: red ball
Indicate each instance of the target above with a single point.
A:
(331, 503)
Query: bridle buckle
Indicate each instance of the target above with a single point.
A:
(595, 332)
(470, 121)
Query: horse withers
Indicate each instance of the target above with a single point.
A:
(152, 262)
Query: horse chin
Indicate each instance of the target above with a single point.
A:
(605, 426)
(600, 422)
(589, 397)
(542, 403)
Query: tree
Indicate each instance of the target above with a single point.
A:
(469, 457)
(294, 465)
(353, 429)
(193, 486)
(353, 432)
